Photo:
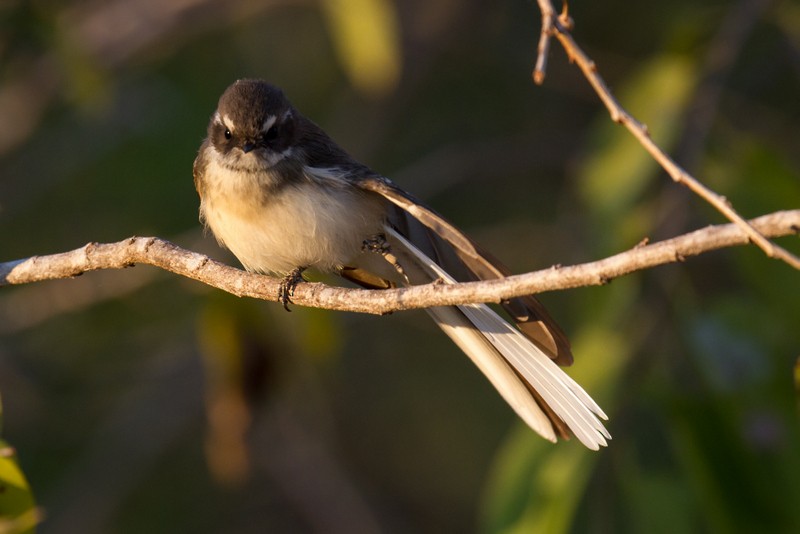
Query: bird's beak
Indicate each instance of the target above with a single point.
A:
(248, 146)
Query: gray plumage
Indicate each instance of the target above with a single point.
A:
(283, 196)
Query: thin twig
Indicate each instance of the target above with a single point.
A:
(560, 30)
(543, 50)
(163, 254)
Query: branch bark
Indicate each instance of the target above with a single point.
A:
(170, 257)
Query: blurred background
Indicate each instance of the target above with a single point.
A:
(138, 401)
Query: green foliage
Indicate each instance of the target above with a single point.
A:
(365, 36)
(617, 170)
(140, 402)
(18, 514)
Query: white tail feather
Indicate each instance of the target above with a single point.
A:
(495, 367)
(498, 349)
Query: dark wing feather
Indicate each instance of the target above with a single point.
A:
(465, 260)
(457, 253)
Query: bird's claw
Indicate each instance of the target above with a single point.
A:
(288, 285)
(378, 244)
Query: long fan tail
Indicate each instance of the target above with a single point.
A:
(511, 362)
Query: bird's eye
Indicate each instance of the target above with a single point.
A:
(271, 134)
(228, 134)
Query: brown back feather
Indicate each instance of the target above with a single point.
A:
(465, 261)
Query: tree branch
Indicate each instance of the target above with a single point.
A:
(559, 26)
(170, 257)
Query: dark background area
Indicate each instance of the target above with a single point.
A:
(138, 401)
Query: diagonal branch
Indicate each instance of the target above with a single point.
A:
(170, 257)
(559, 26)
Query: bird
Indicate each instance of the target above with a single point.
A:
(284, 197)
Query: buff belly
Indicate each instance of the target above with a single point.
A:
(303, 225)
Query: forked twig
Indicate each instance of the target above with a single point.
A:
(559, 26)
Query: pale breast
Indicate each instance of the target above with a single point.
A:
(306, 224)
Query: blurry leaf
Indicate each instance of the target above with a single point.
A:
(728, 355)
(88, 85)
(246, 346)
(754, 175)
(619, 168)
(603, 352)
(536, 486)
(224, 347)
(656, 500)
(314, 331)
(739, 489)
(732, 431)
(787, 16)
(797, 382)
(365, 34)
(18, 514)
(320, 336)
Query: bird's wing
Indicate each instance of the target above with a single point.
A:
(463, 259)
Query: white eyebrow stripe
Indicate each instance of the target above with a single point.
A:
(227, 122)
(268, 123)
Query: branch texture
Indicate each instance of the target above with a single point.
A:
(170, 257)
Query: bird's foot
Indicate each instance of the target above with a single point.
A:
(379, 245)
(288, 285)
